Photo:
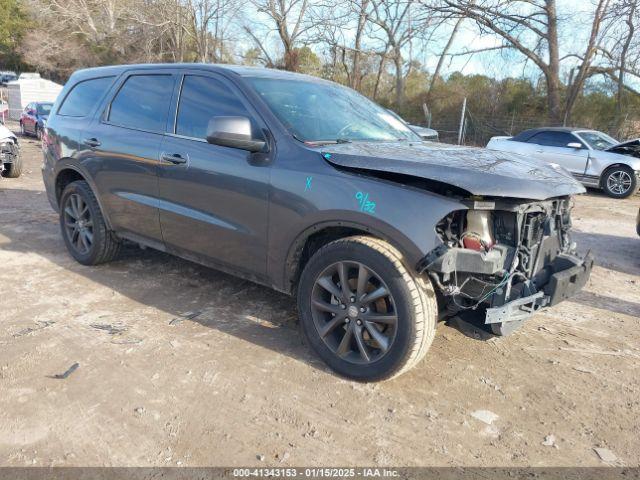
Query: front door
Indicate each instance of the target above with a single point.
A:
(551, 147)
(213, 200)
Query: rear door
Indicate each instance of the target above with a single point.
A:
(214, 199)
(121, 149)
(551, 146)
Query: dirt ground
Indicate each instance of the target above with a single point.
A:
(182, 365)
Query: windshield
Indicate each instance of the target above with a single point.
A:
(44, 108)
(598, 140)
(324, 112)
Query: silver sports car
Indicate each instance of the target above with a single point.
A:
(594, 158)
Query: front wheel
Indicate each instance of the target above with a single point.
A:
(13, 169)
(84, 230)
(363, 312)
(620, 182)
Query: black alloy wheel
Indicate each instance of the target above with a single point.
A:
(84, 229)
(354, 312)
(78, 224)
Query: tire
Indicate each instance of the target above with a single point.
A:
(14, 169)
(103, 246)
(38, 133)
(619, 182)
(411, 301)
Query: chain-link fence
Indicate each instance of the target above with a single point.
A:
(478, 128)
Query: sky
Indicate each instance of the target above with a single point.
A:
(502, 63)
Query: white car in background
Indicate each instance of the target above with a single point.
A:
(593, 158)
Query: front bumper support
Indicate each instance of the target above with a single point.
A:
(568, 277)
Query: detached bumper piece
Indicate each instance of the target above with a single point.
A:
(568, 281)
(565, 276)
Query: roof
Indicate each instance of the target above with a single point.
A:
(241, 70)
(527, 134)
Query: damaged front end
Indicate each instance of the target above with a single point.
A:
(506, 259)
(9, 151)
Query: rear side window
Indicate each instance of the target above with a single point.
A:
(201, 99)
(84, 96)
(553, 139)
(142, 103)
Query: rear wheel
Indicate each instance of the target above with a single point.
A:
(619, 182)
(363, 312)
(84, 230)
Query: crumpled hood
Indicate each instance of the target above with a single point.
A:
(6, 133)
(629, 143)
(479, 171)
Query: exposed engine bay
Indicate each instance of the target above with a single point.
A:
(631, 148)
(506, 259)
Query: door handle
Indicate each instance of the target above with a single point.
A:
(174, 158)
(92, 142)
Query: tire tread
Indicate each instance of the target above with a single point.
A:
(109, 248)
(422, 295)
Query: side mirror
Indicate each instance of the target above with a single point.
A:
(575, 145)
(234, 132)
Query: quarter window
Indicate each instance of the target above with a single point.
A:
(143, 103)
(201, 99)
(84, 96)
(553, 139)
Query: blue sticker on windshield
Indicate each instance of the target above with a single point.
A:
(365, 204)
(327, 156)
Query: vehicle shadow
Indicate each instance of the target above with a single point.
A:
(598, 193)
(615, 305)
(186, 291)
(621, 254)
(189, 292)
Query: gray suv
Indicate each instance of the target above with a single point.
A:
(312, 189)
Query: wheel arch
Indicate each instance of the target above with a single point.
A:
(316, 236)
(69, 172)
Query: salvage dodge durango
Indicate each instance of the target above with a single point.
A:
(308, 187)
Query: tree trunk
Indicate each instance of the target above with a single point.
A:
(623, 59)
(576, 85)
(383, 57)
(553, 72)
(400, 80)
(436, 73)
(356, 78)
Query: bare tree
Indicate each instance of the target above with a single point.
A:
(399, 22)
(208, 22)
(532, 28)
(435, 76)
(624, 53)
(291, 20)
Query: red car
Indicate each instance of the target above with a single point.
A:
(34, 118)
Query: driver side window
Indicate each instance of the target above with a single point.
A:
(202, 98)
(553, 139)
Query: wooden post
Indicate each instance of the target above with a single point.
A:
(461, 129)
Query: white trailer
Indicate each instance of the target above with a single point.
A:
(30, 88)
